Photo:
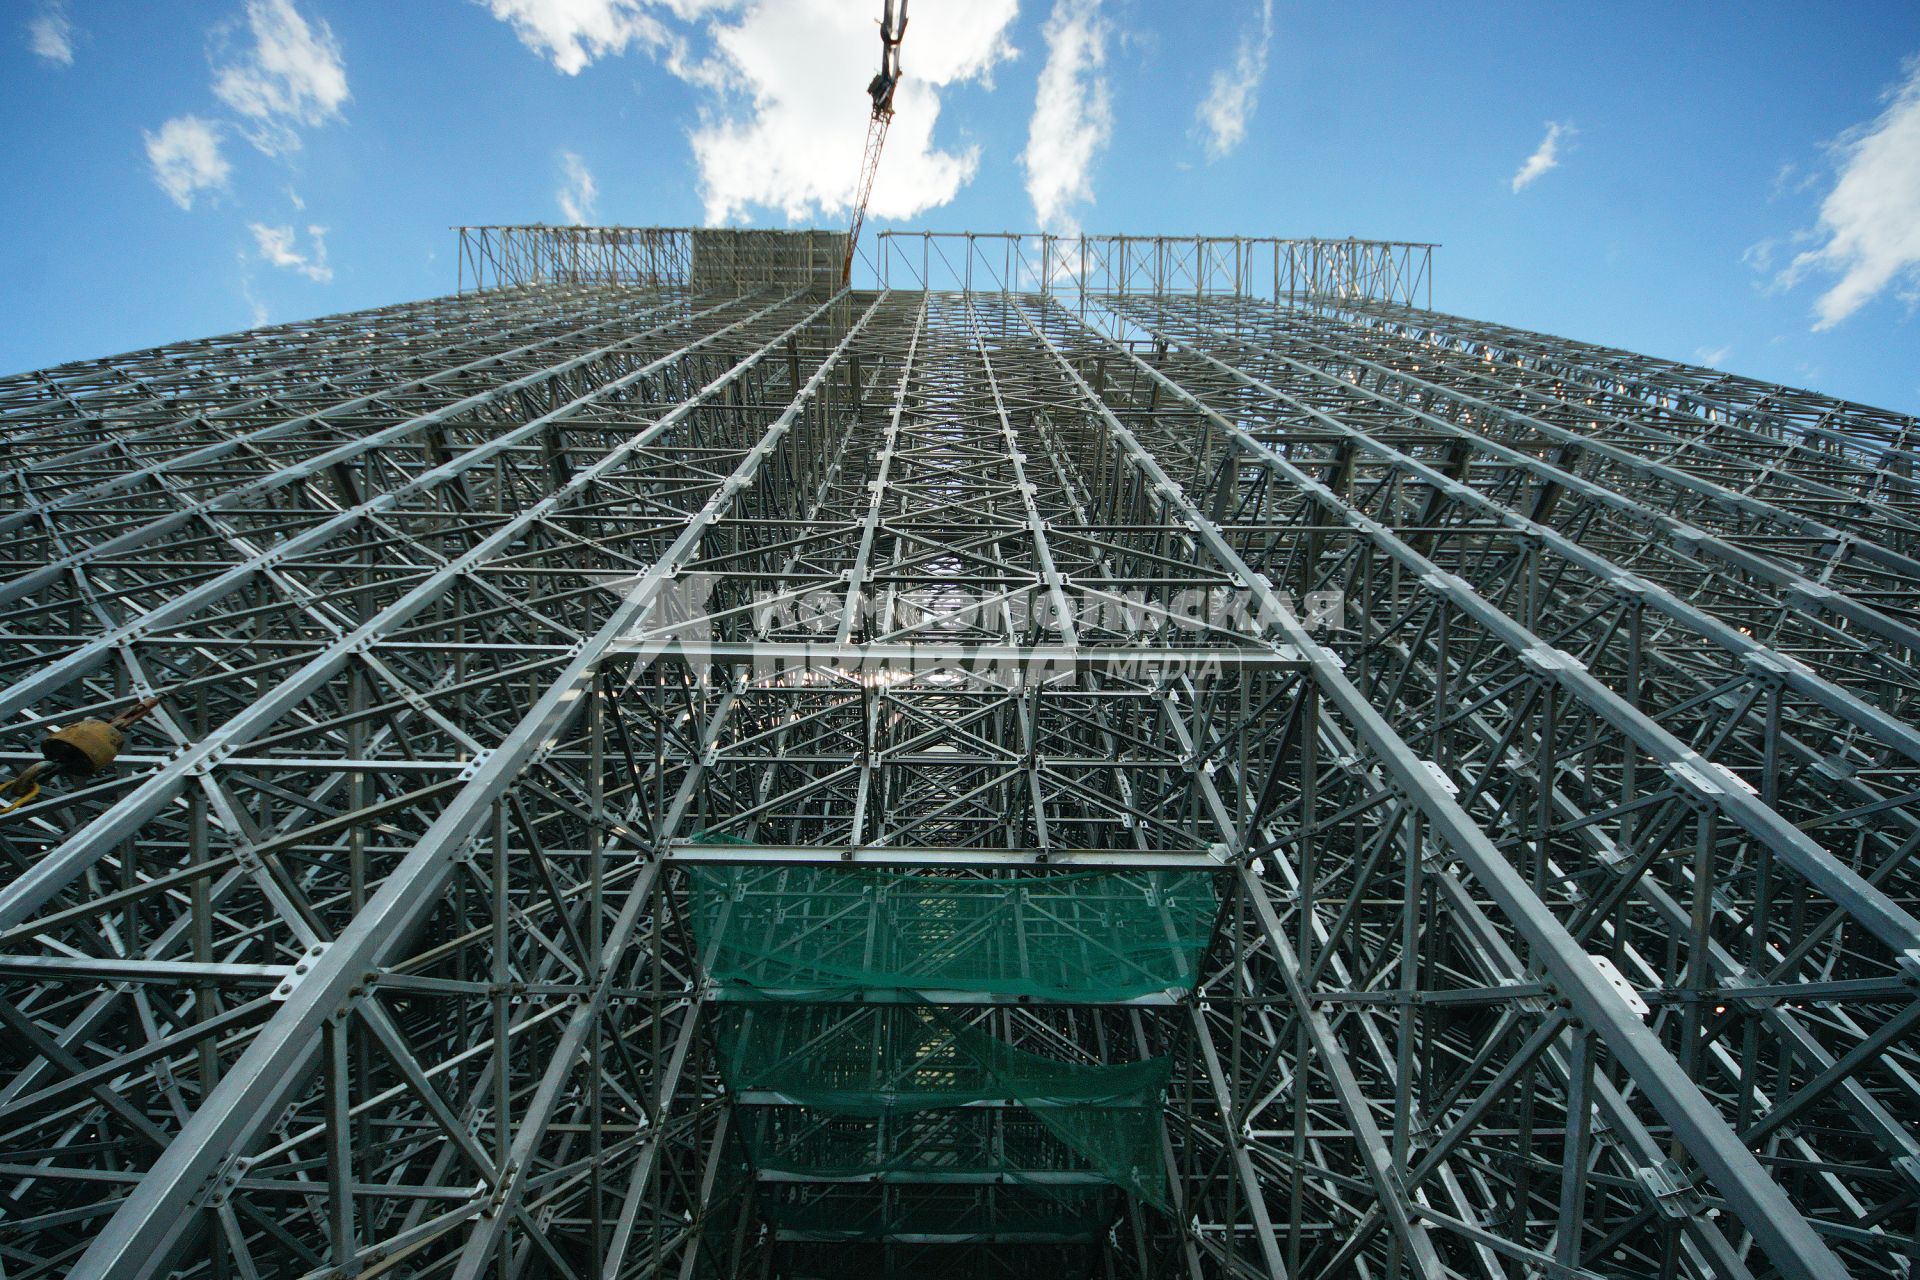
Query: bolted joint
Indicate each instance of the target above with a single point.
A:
(1670, 1188)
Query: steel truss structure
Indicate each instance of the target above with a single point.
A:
(1540, 717)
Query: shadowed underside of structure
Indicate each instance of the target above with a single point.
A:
(1108, 757)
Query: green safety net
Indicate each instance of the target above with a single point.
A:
(961, 1143)
(891, 1260)
(875, 1107)
(882, 1063)
(949, 1214)
(821, 933)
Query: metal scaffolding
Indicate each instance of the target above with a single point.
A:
(1106, 757)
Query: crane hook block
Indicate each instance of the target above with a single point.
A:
(83, 748)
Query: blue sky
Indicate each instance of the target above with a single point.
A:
(1729, 184)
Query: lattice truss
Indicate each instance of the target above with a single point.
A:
(1559, 877)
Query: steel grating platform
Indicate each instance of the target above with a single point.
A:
(1111, 757)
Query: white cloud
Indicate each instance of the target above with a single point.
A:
(1759, 254)
(1791, 180)
(1235, 90)
(799, 69)
(578, 193)
(277, 247)
(255, 307)
(50, 33)
(572, 33)
(1545, 156)
(783, 120)
(1713, 357)
(186, 158)
(293, 75)
(290, 74)
(1870, 221)
(1072, 113)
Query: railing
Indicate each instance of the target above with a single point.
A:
(1295, 270)
(1250, 266)
(493, 257)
